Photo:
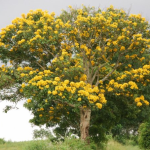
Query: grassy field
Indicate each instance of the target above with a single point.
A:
(111, 145)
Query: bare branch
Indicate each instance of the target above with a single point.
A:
(97, 82)
(96, 72)
(117, 65)
(109, 73)
(73, 125)
(49, 52)
(40, 65)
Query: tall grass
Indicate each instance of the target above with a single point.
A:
(113, 145)
(68, 144)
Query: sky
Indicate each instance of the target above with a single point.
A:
(15, 125)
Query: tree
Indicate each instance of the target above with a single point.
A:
(69, 66)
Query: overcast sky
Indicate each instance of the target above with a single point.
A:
(14, 125)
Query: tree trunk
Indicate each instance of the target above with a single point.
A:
(85, 115)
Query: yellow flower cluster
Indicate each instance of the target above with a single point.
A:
(139, 99)
(22, 41)
(66, 89)
(24, 69)
(83, 77)
(133, 85)
(4, 69)
(112, 86)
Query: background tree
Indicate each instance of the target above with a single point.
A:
(42, 134)
(71, 65)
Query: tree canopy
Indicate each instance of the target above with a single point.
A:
(85, 65)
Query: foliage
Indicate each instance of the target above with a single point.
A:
(144, 135)
(84, 59)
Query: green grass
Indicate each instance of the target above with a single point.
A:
(69, 144)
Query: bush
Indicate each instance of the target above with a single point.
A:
(73, 144)
(37, 145)
(144, 135)
(2, 141)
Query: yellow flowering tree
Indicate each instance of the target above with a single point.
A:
(70, 66)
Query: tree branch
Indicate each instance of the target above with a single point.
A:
(109, 73)
(40, 65)
(96, 72)
(117, 65)
(97, 82)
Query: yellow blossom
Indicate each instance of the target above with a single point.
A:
(83, 77)
(52, 108)
(139, 104)
(66, 81)
(21, 90)
(137, 99)
(47, 86)
(22, 74)
(54, 83)
(99, 105)
(57, 79)
(54, 92)
(122, 48)
(23, 85)
(79, 99)
(41, 109)
(29, 100)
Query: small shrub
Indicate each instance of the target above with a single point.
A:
(144, 135)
